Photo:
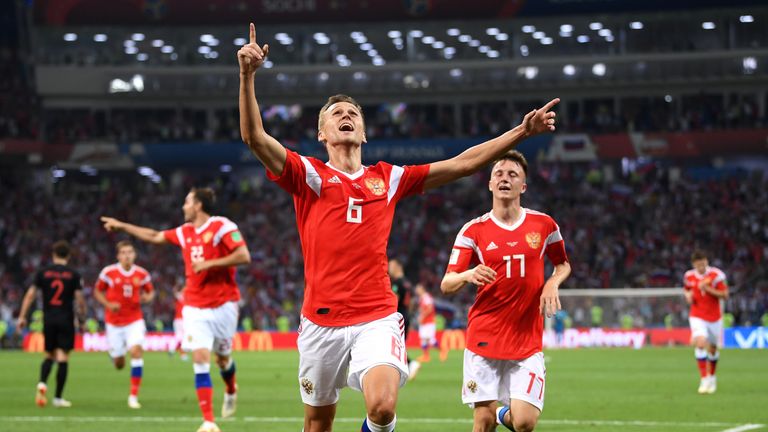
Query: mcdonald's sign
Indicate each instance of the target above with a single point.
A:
(451, 340)
(34, 342)
(253, 341)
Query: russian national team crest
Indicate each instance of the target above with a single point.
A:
(533, 239)
(472, 386)
(307, 385)
(207, 237)
(376, 186)
(136, 280)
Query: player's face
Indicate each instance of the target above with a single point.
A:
(189, 208)
(342, 124)
(701, 265)
(507, 180)
(126, 256)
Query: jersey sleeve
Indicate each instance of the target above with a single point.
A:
(78, 282)
(720, 283)
(174, 236)
(104, 281)
(298, 175)
(463, 252)
(554, 246)
(146, 283)
(406, 180)
(38, 280)
(229, 235)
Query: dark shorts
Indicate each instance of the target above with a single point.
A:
(59, 336)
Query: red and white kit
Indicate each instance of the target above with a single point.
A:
(210, 297)
(706, 314)
(344, 222)
(125, 326)
(503, 359)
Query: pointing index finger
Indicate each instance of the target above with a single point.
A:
(253, 33)
(550, 104)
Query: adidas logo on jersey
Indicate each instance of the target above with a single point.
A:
(335, 179)
(491, 246)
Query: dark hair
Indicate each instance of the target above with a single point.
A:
(514, 156)
(61, 249)
(123, 243)
(206, 197)
(698, 254)
(336, 99)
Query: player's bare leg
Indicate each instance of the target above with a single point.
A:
(201, 359)
(380, 387)
(62, 370)
(42, 386)
(319, 419)
(227, 368)
(520, 416)
(137, 370)
(484, 417)
(700, 350)
(713, 355)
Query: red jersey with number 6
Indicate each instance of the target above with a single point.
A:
(344, 223)
(505, 321)
(705, 305)
(124, 287)
(216, 238)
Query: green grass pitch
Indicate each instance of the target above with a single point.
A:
(645, 390)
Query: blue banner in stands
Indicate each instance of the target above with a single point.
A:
(746, 337)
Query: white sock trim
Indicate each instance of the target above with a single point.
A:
(713, 357)
(137, 362)
(379, 428)
(201, 368)
(700, 353)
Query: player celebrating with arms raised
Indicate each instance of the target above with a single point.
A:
(212, 246)
(704, 287)
(121, 289)
(503, 359)
(351, 333)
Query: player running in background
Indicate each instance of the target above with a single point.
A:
(402, 289)
(704, 287)
(427, 327)
(211, 246)
(178, 324)
(502, 252)
(61, 286)
(351, 333)
(121, 289)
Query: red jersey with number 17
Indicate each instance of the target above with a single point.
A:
(344, 222)
(705, 306)
(216, 238)
(505, 321)
(124, 287)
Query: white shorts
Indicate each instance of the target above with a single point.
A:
(427, 332)
(178, 329)
(331, 358)
(122, 338)
(501, 380)
(210, 328)
(708, 329)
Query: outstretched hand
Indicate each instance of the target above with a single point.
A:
(111, 224)
(540, 120)
(251, 56)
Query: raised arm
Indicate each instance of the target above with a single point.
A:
(239, 256)
(267, 149)
(475, 158)
(29, 297)
(146, 234)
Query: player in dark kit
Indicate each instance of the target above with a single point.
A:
(61, 286)
(403, 289)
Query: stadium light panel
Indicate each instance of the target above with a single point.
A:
(502, 37)
(416, 33)
(524, 50)
(749, 64)
(225, 168)
(281, 77)
(583, 39)
(569, 70)
(373, 53)
(99, 37)
(539, 35)
(453, 32)
(366, 46)
(131, 50)
(394, 34)
(604, 32)
(474, 43)
(484, 49)
(429, 40)
(212, 55)
(204, 49)
(205, 38)
(492, 31)
(668, 98)
(456, 73)
(708, 25)
(213, 42)
(145, 171)
(746, 19)
(129, 43)
(155, 178)
(142, 57)
(323, 76)
(138, 37)
(636, 25)
(397, 41)
(465, 38)
(356, 35)
(595, 26)
(378, 61)
(529, 72)
(174, 56)
(565, 34)
(359, 75)
(267, 64)
(598, 69)
(157, 43)
(166, 49)
(58, 173)
(450, 51)
(547, 41)
(609, 38)
(566, 28)
(240, 41)
(529, 29)
(438, 45)
(70, 37)
(493, 54)
(360, 39)
(281, 36)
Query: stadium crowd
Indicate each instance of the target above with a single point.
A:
(635, 232)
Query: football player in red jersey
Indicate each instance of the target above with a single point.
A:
(351, 333)
(121, 289)
(704, 288)
(502, 252)
(211, 246)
